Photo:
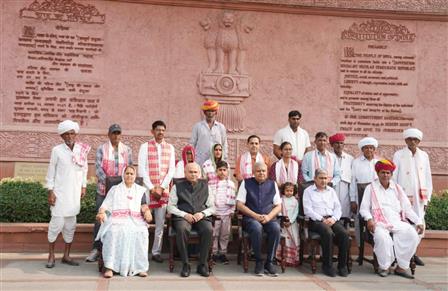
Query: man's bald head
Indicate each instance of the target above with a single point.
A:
(192, 172)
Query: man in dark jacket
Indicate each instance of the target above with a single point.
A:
(191, 207)
(259, 201)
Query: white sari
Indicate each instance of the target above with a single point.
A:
(124, 234)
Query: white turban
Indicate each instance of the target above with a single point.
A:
(413, 132)
(368, 141)
(67, 125)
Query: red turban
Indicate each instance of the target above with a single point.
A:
(210, 105)
(385, 164)
(338, 137)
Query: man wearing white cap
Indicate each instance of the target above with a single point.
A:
(413, 173)
(363, 173)
(66, 183)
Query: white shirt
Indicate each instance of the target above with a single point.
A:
(389, 203)
(143, 165)
(203, 138)
(242, 193)
(299, 140)
(363, 171)
(317, 204)
(66, 179)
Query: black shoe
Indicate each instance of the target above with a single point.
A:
(215, 258)
(224, 260)
(157, 258)
(202, 270)
(259, 268)
(329, 271)
(270, 270)
(186, 269)
(418, 261)
(343, 272)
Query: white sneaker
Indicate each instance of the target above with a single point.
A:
(93, 256)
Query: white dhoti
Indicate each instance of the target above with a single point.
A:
(66, 225)
(401, 246)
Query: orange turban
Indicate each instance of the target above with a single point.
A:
(210, 105)
(385, 164)
(338, 137)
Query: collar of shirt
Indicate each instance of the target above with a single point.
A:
(317, 190)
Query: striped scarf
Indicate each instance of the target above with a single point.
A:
(108, 162)
(80, 153)
(377, 211)
(246, 164)
(284, 174)
(158, 172)
(209, 169)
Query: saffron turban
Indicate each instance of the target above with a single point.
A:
(413, 132)
(367, 141)
(385, 164)
(338, 137)
(67, 125)
(210, 105)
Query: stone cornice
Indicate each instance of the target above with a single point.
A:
(430, 10)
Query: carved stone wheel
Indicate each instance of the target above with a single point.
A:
(226, 84)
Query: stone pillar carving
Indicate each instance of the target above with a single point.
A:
(225, 79)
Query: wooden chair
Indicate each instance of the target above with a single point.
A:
(193, 239)
(243, 247)
(311, 239)
(110, 182)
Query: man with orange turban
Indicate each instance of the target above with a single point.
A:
(208, 132)
(385, 207)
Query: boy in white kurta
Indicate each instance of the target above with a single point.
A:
(413, 173)
(66, 184)
(386, 207)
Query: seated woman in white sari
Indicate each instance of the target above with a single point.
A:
(123, 231)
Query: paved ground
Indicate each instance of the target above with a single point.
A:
(27, 272)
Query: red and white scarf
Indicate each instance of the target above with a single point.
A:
(246, 164)
(80, 153)
(377, 211)
(407, 162)
(284, 174)
(108, 162)
(210, 172)
(329, 163)
(158, 172)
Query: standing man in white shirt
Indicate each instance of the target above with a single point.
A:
(321, 205)
(209, 132)
(294, 134)
(413, 173)
(66, 184)
(363, 173)
(344, 160)
(386, 209)
(156, 164)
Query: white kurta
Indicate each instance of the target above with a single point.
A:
(180, 170)
(406, 175)
(403, 244)
(343, 187)
(65, 178)
(124, 234)
(299, 140)
(363, 171)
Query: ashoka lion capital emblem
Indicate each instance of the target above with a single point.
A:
(225, 77)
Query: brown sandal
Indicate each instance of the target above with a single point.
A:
(108, 274)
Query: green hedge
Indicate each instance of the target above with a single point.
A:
(24, 200)
(437, 212)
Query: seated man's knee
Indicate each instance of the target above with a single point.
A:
(253, 226)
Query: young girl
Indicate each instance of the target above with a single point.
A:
(290, 210)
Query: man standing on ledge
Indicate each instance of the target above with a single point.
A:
(259, 201)
(413, 173)
(294, 134)
(66, 183)
(386, 208)
(111, 159)
(208, 132)
(156, 164)
(192, 205)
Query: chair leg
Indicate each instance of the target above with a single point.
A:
(283, 261)
(171, 256)
(245, 256)
(313, 258)
(240, 250)
(211, 263)
(301, 249)
(349, 260)
(375, 264)
(412, 265)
